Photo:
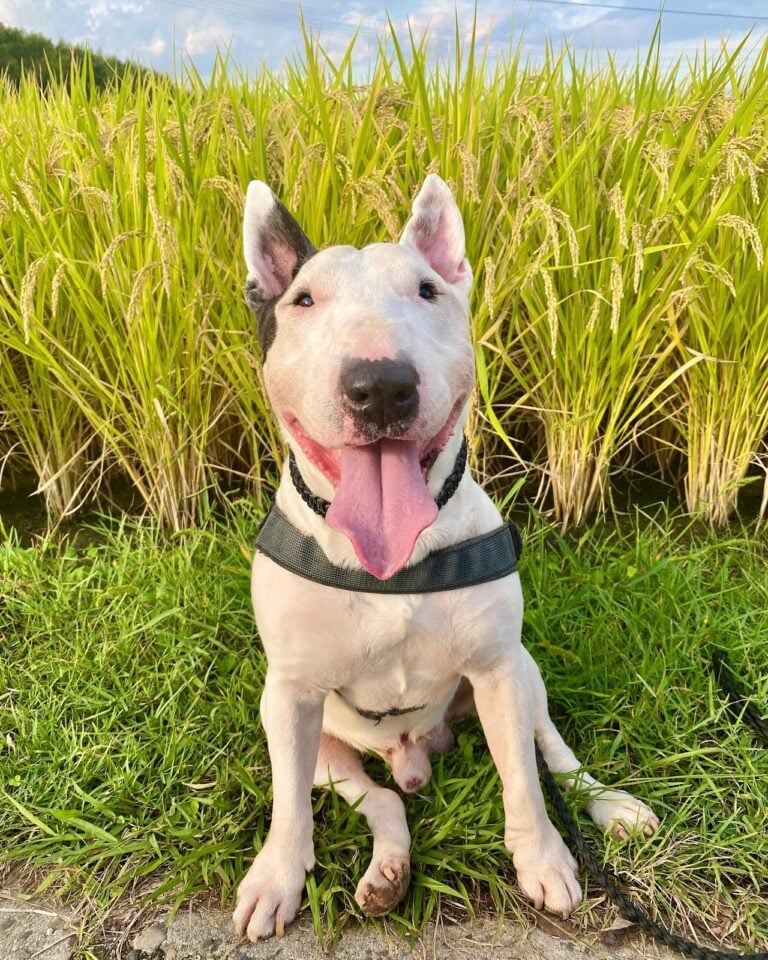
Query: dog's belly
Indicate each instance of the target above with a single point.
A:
(405, 675)
(378, 717)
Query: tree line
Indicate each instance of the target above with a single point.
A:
(31, 53)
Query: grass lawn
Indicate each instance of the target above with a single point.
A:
(134, 763)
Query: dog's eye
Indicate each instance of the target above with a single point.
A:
(304, 299)
(427, 290)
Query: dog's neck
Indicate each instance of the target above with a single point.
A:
(458, 519)
(321, 506)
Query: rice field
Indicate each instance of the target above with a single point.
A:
(616, 221)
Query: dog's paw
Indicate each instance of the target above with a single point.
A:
(547, 875)
(384, 883)
(621, 814)
(269, 895)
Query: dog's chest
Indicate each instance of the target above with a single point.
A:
(403, 650)
(396, 626)
(390, 649)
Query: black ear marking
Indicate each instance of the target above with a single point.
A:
(275, 248)
(283, 240)
(264, 311)
(263, 307)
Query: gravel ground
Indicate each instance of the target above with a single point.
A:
(31, 930)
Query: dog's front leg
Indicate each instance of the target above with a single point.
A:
(269, 895)
(546, 871)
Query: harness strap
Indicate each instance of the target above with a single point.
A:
(489, 556)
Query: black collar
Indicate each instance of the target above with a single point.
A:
(321, 506)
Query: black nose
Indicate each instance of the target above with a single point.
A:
(380, 392)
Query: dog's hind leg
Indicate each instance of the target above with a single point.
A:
(386, 879)
(612, 810)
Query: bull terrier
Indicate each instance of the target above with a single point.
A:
(369, 367)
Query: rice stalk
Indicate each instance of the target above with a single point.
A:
(615, 221)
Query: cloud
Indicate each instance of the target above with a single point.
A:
(206, 35)
(153, 31)
(155, 47)
(573, 18)
(440, 19)
(26, 15)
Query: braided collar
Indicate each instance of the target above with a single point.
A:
(321, 506)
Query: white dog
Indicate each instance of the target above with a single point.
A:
(369, 367)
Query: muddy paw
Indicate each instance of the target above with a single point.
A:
(384, 883)
(621, 814)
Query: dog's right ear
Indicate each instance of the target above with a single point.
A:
(275, 248)
(436, 232)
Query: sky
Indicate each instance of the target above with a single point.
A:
(158, 32)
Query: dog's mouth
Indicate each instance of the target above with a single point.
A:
(382, 502)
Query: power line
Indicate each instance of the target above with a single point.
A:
(283, 13)
(660, 10)
(245, 12)
(313, 17)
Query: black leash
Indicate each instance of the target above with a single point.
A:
(585, 852)
(738, 705)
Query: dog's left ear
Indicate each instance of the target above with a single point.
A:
(275, 246)
(435, 231)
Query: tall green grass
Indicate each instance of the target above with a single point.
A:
(616, 221)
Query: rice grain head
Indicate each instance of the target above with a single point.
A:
(109, 255)
(164, 234)
(489, 287)
(58, 277)
(747, 232)
(469, 170)
(127, 123)
(230, 190)
(660, 159)
(637, 251)
(617, 295)
(594, 313)
(550, 225)
(549, 291)
(134, 304)
(716, 270)
(27, 294)
(619, 208)
(373, 195)
(28, 193)
(736, 158)
(96, 199)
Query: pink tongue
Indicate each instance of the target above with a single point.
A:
(382, 503)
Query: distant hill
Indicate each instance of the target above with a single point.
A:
(22, 52)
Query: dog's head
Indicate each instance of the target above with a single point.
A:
(367, 360)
